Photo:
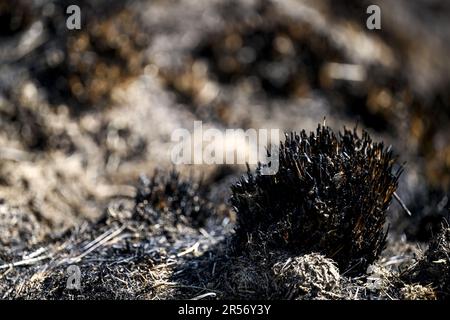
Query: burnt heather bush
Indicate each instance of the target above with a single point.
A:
(330, 196)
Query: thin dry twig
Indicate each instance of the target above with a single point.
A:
(98, 242)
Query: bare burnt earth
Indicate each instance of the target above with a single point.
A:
(86, 179)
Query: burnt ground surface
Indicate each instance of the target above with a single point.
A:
(86, 117)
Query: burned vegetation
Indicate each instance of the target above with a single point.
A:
(84, 112)
(308, 232)
(128, 253)
(173, 199)
(434, 268)
(330, 195)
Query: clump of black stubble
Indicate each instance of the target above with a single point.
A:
(173, 199)
(330, 195)
(130, 252)
(434, 268)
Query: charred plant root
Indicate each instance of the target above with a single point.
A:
(330, 195)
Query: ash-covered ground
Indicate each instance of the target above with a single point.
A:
(87, 182)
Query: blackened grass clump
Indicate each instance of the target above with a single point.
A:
(434, 268)
(330, 196)
(170, 199)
